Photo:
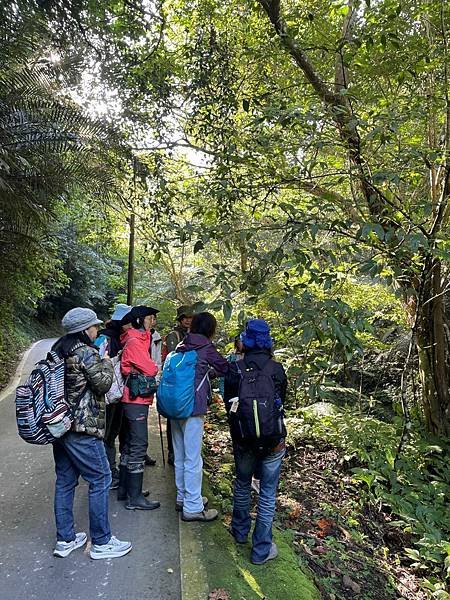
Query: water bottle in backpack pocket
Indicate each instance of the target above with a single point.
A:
(256, 415)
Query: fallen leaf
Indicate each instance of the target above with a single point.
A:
(307, 549)
(325, 526)
(219, 594)
(295, 513)
(227, 520)
(345, 533)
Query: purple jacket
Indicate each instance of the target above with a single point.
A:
(207, 356)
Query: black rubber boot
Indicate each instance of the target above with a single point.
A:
(136, 499)
(122, 489)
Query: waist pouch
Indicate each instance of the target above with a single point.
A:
(141, 385)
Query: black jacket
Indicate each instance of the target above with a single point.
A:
(113, 332)
(255, 359)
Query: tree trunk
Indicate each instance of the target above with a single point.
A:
(432, 351)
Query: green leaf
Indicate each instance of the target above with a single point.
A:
(227, 310)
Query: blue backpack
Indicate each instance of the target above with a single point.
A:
(176, 390)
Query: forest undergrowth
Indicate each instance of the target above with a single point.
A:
(362, 534)
(16, 337)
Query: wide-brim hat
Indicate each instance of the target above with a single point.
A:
(184, 311)
(79, 319)
(257, 335)
(120, 311)
(140, 312)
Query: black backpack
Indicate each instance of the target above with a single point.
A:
(256, 416)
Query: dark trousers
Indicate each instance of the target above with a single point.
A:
(135, 446)
(115, 426)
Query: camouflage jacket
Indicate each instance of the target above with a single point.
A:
(88, 378)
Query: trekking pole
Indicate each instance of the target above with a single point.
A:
(162, 442)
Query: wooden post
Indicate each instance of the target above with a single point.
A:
(130, 283)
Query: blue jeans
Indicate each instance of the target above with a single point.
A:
(187, 436)
(78, 454)
(246, 462)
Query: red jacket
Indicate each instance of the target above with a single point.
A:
(136, 358)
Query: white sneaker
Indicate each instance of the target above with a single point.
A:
(113, 549)
(63, 549)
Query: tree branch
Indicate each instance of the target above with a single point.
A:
(339, 107)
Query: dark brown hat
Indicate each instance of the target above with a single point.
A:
(184, 311)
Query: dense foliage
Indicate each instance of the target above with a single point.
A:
(282, 159)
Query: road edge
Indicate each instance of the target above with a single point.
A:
(194, 579)
(15, 380)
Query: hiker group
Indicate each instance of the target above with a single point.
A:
(96, 387)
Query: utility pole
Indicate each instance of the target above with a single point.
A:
(130, 282)
(131, 243)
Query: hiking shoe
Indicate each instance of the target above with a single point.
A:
(113, 549)
(114, 484)
(141, 503)
(149, 461)
(205, 515)
(179, 504)
(238, 539)
(63, 549)
(272, 554)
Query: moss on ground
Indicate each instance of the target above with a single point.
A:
(228, 566)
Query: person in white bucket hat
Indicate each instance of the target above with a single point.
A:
(109, 337)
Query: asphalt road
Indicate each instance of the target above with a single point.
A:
(28, 569)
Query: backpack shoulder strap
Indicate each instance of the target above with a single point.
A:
(241, 366)
(75, 347)
(53, 356)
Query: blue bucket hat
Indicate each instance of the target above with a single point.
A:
(257, 335)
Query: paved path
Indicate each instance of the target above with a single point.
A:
(28, 570)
